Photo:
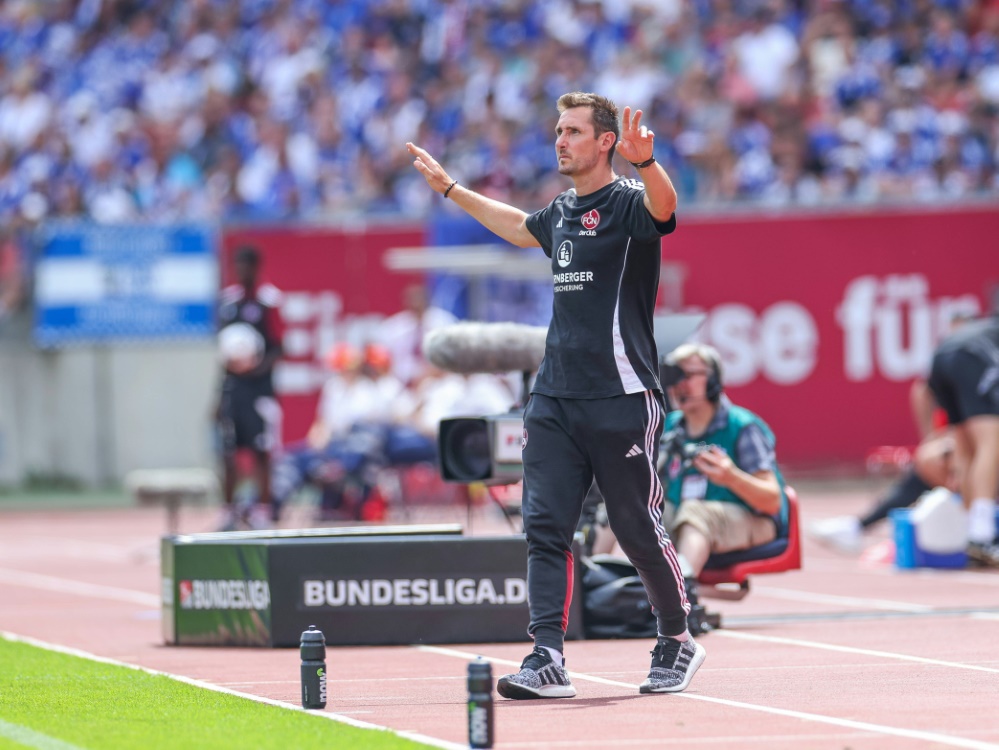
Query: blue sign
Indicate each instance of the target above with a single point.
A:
(98, 283)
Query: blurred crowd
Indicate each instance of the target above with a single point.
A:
(121, 110)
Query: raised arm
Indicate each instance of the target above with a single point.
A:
(504, 220)
(635, 145)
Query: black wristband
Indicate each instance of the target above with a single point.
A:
(453, 183)
(647, 163)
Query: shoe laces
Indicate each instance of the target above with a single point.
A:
(665, 652)
(537, 659)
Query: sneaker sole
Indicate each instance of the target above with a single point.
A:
(520, 692)
(695, 664)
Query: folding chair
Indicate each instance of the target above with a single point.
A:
(725, 569)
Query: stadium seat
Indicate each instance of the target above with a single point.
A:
(722, 571)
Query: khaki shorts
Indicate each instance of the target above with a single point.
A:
(727, 526)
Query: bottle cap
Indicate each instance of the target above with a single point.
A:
(313, 644)
(480, 676)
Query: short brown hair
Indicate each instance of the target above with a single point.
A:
(603, 113)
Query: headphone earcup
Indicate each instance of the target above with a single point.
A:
(713, 387)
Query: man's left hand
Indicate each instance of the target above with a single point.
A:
(716, 465)
(636, 140)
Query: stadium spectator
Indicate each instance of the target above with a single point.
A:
(273, 105)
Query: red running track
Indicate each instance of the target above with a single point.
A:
(840, 654)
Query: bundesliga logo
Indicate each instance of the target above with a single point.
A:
(186, 591)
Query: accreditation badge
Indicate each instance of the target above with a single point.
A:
(695, 487)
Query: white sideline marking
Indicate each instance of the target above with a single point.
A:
(842, 601)
(850, 650)
(31, 738)
(915, 734)
(48, 546)
(416, 737)
(79, 588)
(982, 577)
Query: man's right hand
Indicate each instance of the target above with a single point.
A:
(434, 173)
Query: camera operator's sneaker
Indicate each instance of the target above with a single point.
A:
(842, 533)
(539, 677)
(673, 665)
(983, 555)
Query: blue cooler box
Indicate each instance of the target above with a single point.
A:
(909, 555)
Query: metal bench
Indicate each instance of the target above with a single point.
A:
(172, 488)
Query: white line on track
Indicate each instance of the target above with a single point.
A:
(850, 650)
(79, 588)
(914, 734)
(31, 738)
(851, 565)
(48, 547)
(840, 601)
(416, 737)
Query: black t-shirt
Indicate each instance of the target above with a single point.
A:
(980, 337)
(605, 250)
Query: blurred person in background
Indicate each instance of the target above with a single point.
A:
(12, 280)
(344, 447)
(724, 489)
(932, 466)
(402, 333)
(964, 380)
(248, 414)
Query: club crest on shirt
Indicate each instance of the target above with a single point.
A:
(589, 221)
(564, 254)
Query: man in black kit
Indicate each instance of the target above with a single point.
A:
(964, 380)
(596, 408)
(248, 412)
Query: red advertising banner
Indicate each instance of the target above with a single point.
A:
(824, 321)
(335, 288)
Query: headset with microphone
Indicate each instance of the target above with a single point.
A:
(671, 373)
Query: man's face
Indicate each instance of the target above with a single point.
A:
(246, 272)
(691, 392)
(576, 148)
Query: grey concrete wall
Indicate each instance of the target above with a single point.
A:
(96, 413)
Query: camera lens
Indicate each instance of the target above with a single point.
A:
(466, 450)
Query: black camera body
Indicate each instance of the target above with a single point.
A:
(482, 449)
(673, 445)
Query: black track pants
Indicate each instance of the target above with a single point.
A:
(569, 443)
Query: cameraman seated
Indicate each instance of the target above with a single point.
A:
(718, 465)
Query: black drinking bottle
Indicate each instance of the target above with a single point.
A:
(313, 668)
(480, 704)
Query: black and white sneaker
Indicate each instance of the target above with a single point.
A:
(673, 665)
(539, 677)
